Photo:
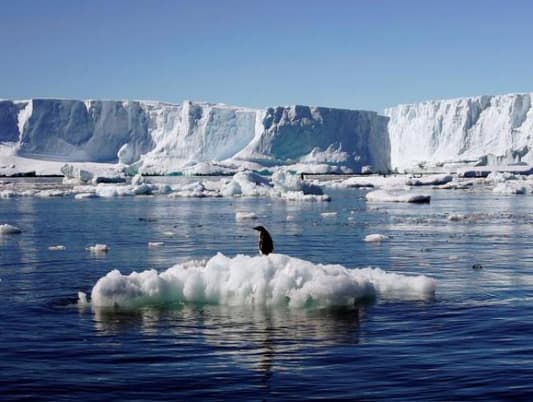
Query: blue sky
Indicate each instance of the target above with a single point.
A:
(350, 54)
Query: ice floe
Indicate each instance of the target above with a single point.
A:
(98, 248)
(59, 247)
(375, 237)
(273, 280)
(240, 216)
(155, 243)
(390, 196)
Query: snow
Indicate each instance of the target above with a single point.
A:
(486, 130)
(273, 280)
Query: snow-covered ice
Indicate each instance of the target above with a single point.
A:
(375, 237)
(155, 243)
(58, 247)
(405, 196)
(241, 216)
(98, 248)
(273, 280)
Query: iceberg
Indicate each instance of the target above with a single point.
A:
(480, 130)
(192, 137)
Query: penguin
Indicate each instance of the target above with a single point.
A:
(266, 246)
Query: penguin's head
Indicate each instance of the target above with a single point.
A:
(259, 228)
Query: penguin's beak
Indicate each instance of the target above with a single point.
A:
(256, 228)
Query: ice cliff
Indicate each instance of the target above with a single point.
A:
(481, 130)
(160, 138)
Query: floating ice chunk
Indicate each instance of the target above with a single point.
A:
(247, 184)
(500, 177)
(510, 188)
(385, 196)
(155, 243)
(98, 248)
(328, 214)
(7, 229)
(290, 218)
(194, 190)
(143, 189)
(59, 247)
(82, 299)
(456, 185)
(300, 196)
(75, 175)
(82, 196)
(435, 179)
(168, 233)
(110, 191)
(285, 182)
(52, 193)
(273, 280)
(456, 217)
(137, 179)
(8, 194)
(240, 216)
(376, 237)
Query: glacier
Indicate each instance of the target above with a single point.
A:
(480, 130)
(199, 138)
(158, 138)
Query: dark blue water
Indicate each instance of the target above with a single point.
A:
(473, 341)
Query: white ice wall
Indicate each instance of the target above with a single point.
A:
(496, 128)
(166, 137)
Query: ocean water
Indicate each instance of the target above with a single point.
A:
(471, 341)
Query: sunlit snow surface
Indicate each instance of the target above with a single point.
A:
(273, 280)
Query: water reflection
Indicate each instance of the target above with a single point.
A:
(259, 339)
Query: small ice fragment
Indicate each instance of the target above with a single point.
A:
(9, 229)
(98, 248)
(376, 237)
(82, 299)
(83, 196)
(59, 247)
(290, 218)
(328, 214)
(155, 243)
(245, 215)
(169, 233)
(456, 217)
